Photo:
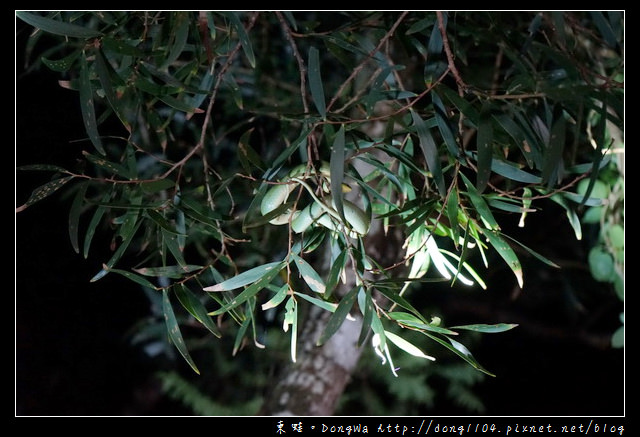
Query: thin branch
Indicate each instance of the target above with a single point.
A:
(359, 68)
(450, 58)
(301, 66)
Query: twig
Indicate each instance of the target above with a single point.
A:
(359, 68)
(450, 60)
(296, 54)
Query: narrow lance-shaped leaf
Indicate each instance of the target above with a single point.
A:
(57, 27)
(553, 163)
(180, 33)
(240, 336)
(460, 350)
(413, 322)
(196, 308)
(446, 130)
(134, 277)
(480, 205)
(170, 241)
(534, 253)
(277, 298)
(43, 191)
(487, 329)
(484, 145)
(339, 315)
(61, 65)
(291, 320)
(126, 240)
(74, 216)
(336, 171)
(452, 214)
(510, 171)
(244, 38)
(506, 252)
(315, 82)
(407, 346)
(167, 271)
(174, 330)
(87, 105)
(327, 306)
(93, 224)
(365, 302)
(105, 73)
(430, 151)
(334, 273)
(309, 275)
(249, 158)
(250, 291)
(598, 155)
(245, 278)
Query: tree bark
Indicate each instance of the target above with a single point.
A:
(312, 386)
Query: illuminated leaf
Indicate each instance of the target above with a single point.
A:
(174, 331)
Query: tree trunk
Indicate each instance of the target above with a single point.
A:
(312, 386)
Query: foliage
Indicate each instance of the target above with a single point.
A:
(422, 126)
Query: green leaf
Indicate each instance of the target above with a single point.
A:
(484, 144)
(552, 167)
(171, 242)
(534, 253)
(174, 330)
(161, 221)
(506, 252)
(335, 272)
(406, 346)
(277, 298)
(572, 215)
(122, 47)
(57, 27)
(87, 105)
(61, 65)
(93, 224)
(156, 186)
(243, 36)
(291, 319)
(512, 128)
(127, 237)
(481, 206)
(113, 167)
(43, 191)
(180, 105)
(430, 151)
(246, 277)
(309, 275)
(196, 308)
(174, 272)
(338, 316)
(413, 322)
(460, 350)
(487, 329)
(336, 171)
(179, 33)
(74, 216)
(510, 171)
(135, 278)
(249, 158)
(328, 306)
(444, 125)
(251, 290)
(315, 82)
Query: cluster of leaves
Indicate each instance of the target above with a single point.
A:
(212, 108)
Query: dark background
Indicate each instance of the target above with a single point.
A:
(73, 356)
